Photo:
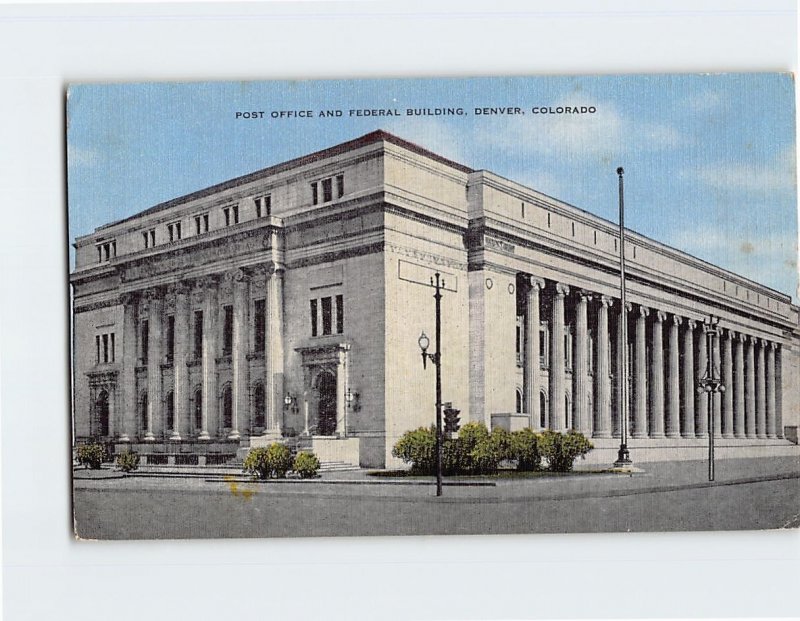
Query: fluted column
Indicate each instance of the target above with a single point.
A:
(716, 401)
(208, 415)
(761, 391)
(727, 381)
(739, 428)
(778, 391)
(128, 427)
(580, 418)
(750, 389)
(640, 387)
(602, 380)
(181, 373)
(531, 368)
(701, 398)
(153, 364)
(673, 389)
(341, 391)
(241, 302)
(622, 392)
(557, 394)
(689, 384)
(273, 353)
(771, 426)
(657, 377)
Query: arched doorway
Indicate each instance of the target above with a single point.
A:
(101, 411)
(326, 405)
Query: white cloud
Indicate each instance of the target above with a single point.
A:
(705, 101)
(775, 176)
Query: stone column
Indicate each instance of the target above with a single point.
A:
(602, 380)
(727, 380)
(153, 364)
(622, 392)
(112, 411)
(241, 303)
(181, 373)
(580, 416)
(531, 369)
(739, 388)
(657, 377)
(557, 413)
(128, 428)
(273, 350)
(717, 398)
(771, 426)
(761, 391)
(640, 387)
(689, 384)
(673, 392)
(208, 416)
(341, 391)
(750, 389)
(778, 391)
(701, 398)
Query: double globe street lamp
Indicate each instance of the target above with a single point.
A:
(710, 384)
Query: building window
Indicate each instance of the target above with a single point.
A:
(226, 211)
(97, 347)
(170, 337)
(542, 410)
(313, 318)
(198, 409)
(143, 412)
(169, 404)
(519, 340)
(519, 401)
(102, 413)
(149, 238)
(227, 407)
(260, 325)
(263, 206)
(314, 193)
(339, 186)
(327, 316)
(327, 190)
(145, 343)
(567, 349)
(198, 334)
(104, 348)
(227, 332)
(258, 406)
(113, 347)
(106, 251)
(544, 345)
(174, 231)
(339, 314)
(231, 215)
(201, 224)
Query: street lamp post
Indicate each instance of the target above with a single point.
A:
(623, 455)
(436, 359)
(710, 384)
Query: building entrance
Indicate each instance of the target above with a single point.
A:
(326, 408)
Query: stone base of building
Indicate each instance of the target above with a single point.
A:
(332, 450)
(686, 449)
(180, 453)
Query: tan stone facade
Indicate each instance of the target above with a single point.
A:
(287, 304)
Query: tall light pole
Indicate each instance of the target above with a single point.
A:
(436, 359)
(710, 384)
(623, 455)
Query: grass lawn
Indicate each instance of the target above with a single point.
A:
(500, 474)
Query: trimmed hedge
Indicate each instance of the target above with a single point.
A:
(562, 449)
(127, 461)
(306, 465)
(266, 462)
(92, 455)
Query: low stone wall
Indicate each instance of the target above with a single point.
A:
(336, 449)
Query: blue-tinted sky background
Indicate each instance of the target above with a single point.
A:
(709, 159)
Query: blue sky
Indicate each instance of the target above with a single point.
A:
(709, 159)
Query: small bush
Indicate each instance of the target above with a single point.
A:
(92, 455)
(418, 448)
(561, 449)
(306, 465)
(524, 449)
(127, 461)
(490, 449)
(270, 461)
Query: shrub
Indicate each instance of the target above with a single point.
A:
(524, 449)
(560, 449)
(91, 455)
(128, 461)
(489, 450)
(418, 448)
(306, 465)
(270, 461)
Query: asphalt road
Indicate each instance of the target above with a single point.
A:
(176, 509)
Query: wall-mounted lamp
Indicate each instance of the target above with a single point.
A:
(353, 400)
(290, 402)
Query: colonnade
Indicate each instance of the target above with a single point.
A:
(668, 356)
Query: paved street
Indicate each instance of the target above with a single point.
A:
(748, 494)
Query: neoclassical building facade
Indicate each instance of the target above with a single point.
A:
(286, 305)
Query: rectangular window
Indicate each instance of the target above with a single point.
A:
(236, 214)
(327, 316)
(105, 348)
(268, 205)
(99, 254)
(339, 314)
(205, 223)
(258, 207)
(260, 325)
(542, 348)
(226, 211)
(113, 347)
(327, 190)
(171, 232)
(170, 336)
(97, 345)
(263, 206)
(198, 334)
(197, 221)
(152, 237)
(313, 318)
(114, 248)
(145, 340)
(227, 332)
(314, 193)
(339, 186)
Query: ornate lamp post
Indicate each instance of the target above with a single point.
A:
(710, 384)
(623, 455)
(436, 358)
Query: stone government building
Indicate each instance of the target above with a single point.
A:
(287, 304)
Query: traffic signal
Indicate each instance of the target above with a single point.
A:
(451, 420)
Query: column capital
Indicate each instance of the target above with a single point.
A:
(583, 295)
(691, 324)
(128, 299)
(644, 311)
(152, 294)
(210, 281)
(676, 320)
(238, 274)
(532, 282)
(183, 287)
(741, 337)
(606, 301)
(273, 267)
(562, 289)
(660, 316)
